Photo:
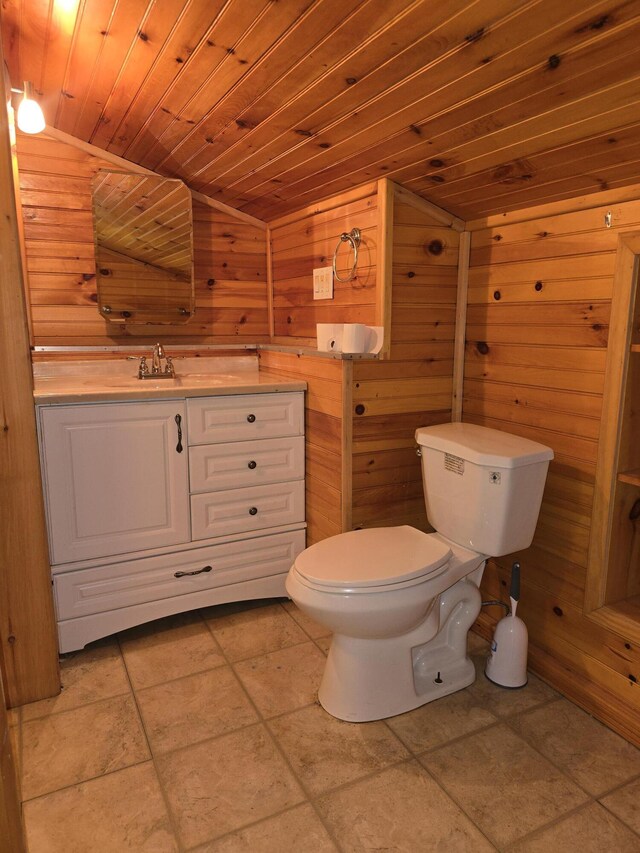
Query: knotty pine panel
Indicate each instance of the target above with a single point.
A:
(229, 261)
(304, 241)
(414, 387)
(479, 107)
(537, 335)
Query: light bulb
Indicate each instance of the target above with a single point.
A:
(30, 116)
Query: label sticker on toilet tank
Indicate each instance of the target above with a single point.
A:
(453, 463)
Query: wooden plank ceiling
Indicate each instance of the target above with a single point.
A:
(481, 106)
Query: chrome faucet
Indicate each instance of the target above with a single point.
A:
(156, 371)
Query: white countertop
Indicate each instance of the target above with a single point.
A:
(97, 381)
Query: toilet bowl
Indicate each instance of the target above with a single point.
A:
(400, 602)
(382, 605)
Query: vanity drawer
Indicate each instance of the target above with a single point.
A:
(243, 417)
(98, 590)
(241, 510)
(213, 467)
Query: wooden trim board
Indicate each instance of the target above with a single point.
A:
(620, 331)
(461, 325)
(384, 284)
(428, 207)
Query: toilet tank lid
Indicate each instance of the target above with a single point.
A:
(483, 446)
(377, 556)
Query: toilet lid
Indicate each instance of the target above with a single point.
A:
(376, 557)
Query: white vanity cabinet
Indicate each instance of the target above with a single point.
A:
(116, 478)
(163, 506)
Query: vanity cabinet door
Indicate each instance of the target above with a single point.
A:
(115, 481)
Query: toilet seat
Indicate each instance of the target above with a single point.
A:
(365, 560)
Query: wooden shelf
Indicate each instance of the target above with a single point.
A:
(635, 347)
(631, 477)
(623, 618)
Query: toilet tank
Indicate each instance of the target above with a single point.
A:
(482, 487)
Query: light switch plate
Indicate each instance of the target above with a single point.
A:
(323, 283)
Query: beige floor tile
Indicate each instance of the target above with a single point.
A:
(401, 810)
(96, 672)
(505, 786)
(597, 758)
(502, 701)
(324, 644)
(325, 752)
(169, 648)
(74, 746)
(590, 830)
(254, 632)
(284, 680)
(222, 785)
(625, 803)
(194, 708)
(297, 830)
(440, 721)
(118, 812)
(310, 626)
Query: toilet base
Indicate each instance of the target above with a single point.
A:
(370, 679)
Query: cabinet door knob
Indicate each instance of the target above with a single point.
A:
(251, 418)
(197, 572)
(253, 510)
(253, 464)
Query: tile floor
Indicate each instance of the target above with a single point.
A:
(202, 733)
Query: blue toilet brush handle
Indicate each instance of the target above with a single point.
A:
(514, 592)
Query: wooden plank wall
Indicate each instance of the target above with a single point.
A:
(413, 388)
(540, 286)
(230, 261)
(307, 239)
(325, 377)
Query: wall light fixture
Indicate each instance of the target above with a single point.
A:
(30, 117)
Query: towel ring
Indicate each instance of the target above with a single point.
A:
(353, 237)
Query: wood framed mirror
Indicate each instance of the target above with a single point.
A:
(143, 231)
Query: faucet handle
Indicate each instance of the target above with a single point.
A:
(169, 368)
(143, 369)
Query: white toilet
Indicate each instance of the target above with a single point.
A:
(400, 602)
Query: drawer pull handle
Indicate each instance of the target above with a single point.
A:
(179, 425)
(197, 572)
(253, 464)
(251, 418)
(253, 510)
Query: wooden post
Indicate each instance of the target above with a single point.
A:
(461, 325)
(28, 646)
(384, 273)
(11, 835)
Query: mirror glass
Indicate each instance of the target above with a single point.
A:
(144, 248)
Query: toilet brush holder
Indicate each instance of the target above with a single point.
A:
(507, 662)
